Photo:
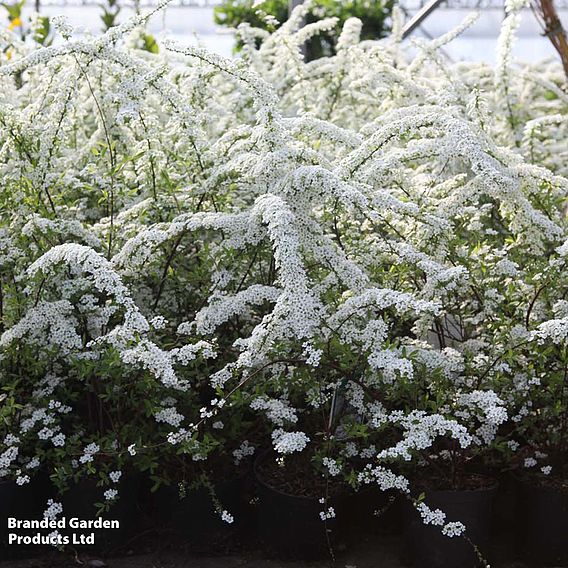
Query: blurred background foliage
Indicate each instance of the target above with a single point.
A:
(375, 15)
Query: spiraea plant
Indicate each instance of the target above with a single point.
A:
(345, 255)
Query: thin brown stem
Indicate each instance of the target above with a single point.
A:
(552, 28)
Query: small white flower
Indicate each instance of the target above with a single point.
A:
(513, 445)
(227, 517)
(11, 440)
(61, 24)
(89, 452)
(22, 479)
(332, 466)
(33, 463)
(158, 322)
(115, 476)
(58, 440)
(54, 538)
(111, 494)
(453, 529)
(329, 514)
(53, 509)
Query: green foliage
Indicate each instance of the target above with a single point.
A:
(231, 13)
(110, 14)
(38, 27)
(374, 15)
(42, 30)
(14, 10)
(150, 44)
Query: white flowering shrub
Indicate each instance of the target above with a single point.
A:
(359, 258)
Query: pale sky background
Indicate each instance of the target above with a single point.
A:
(195, 24)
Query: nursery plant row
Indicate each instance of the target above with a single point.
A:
(531, 520)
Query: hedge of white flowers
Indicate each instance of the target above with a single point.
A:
(361, 257)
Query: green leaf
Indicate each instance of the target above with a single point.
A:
(150, 44)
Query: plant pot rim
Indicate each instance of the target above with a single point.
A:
(493, 486)
(534, 480)
(262, 456)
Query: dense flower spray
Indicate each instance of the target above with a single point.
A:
(362, 237)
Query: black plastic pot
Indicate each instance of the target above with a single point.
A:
(543, 524)
(504, 521)
(193, 519)
(290, 526)
(79, 501)
(369, 511)
(12, 498)
(427, 547)
(19, 502)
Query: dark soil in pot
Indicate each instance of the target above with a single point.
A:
(289, 522)
(427, 547)
(542, 515)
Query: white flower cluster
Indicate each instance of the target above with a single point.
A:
(289, 442)
(89, 453)
(431, 516)
(53, 510)
(169, 415)
(332, 466)
(243, 451)
(115, 476)
(227, 517)
(111, 494)
(278, 411)
(419, 432)
(454, 528)
(327, 514)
